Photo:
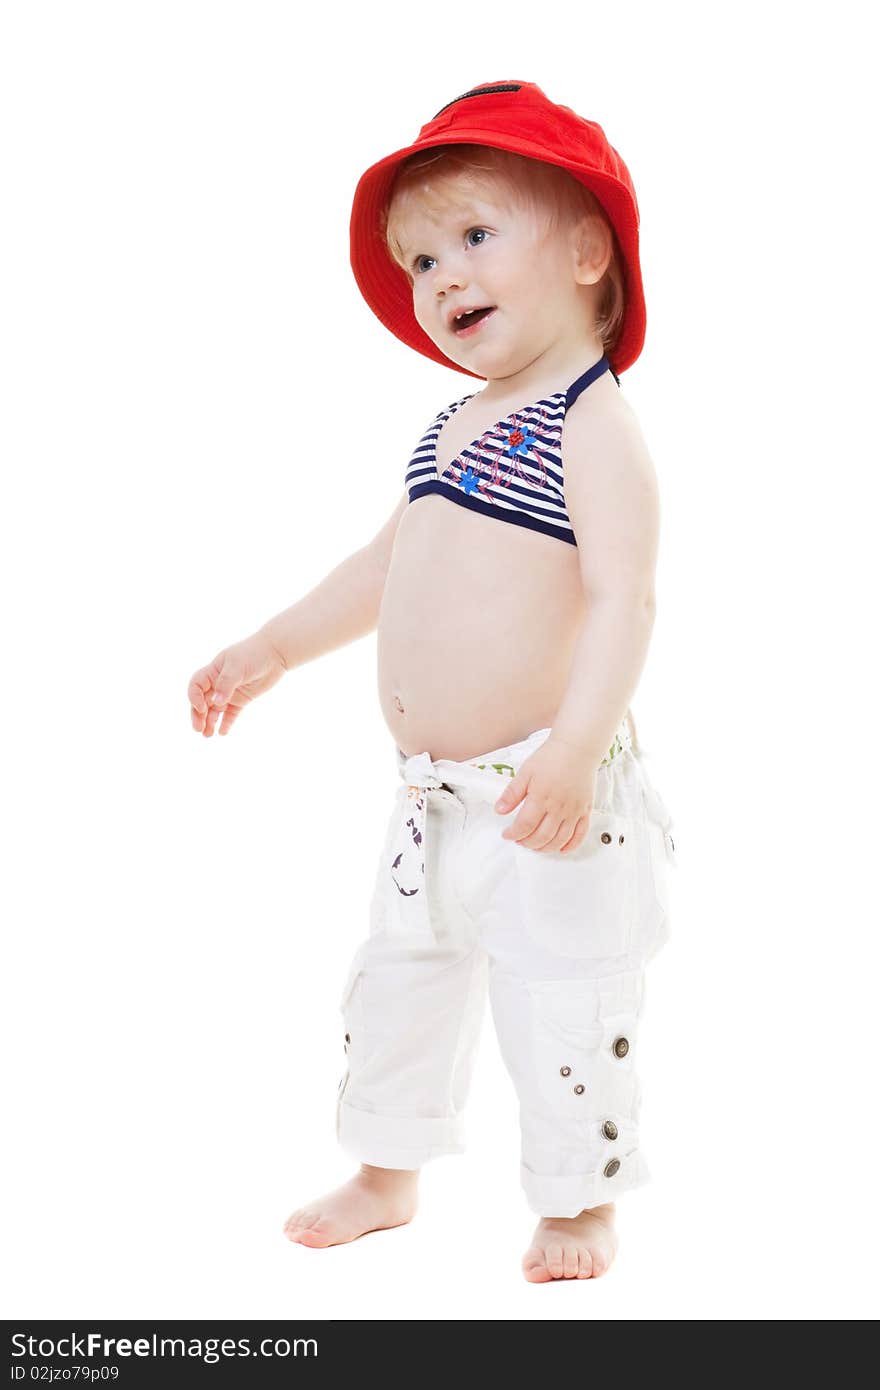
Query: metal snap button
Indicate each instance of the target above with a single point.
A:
(621, 1047)
(610, 1130)
(579, 1089)
(611, 1167)
(565, 1071)
(605, 838)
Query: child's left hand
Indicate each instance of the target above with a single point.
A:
(557, 786)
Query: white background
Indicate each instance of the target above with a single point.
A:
(202, 418)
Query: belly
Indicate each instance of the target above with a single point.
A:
(476, 633)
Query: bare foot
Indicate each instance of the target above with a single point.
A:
(572, 1247)
(373, 1200)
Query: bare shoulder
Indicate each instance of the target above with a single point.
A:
(602, 434)
(611, 494)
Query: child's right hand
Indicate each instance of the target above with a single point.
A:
(236, 676)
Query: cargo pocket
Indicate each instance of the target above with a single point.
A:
(580, 1093)
(582, 904)
(584, 1043)
(566, 1038)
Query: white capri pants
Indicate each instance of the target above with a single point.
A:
(561, 941)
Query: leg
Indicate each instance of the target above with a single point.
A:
(569, 1045)
(569, 947)
(411, 1029)
(412, 1015)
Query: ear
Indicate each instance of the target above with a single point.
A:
(592, 248)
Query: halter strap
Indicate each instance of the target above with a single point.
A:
(588, 377)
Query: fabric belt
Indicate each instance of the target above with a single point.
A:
(408, 911)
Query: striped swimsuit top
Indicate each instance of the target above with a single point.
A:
(513, 472)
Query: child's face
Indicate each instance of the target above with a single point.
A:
(479, 250)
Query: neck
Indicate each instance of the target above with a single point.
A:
(551, 370)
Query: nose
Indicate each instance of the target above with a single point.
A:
(450, 275)
(449, 284)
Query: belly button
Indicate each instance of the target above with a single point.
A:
(398, 704)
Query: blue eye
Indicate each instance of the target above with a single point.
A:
(481, 230)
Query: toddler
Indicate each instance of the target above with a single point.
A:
(512, 590)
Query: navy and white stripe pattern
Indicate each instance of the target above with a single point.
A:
(513, 472)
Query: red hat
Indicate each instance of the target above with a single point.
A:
(514, 116)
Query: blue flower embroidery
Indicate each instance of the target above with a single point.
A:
(469, 480)
(519, 440)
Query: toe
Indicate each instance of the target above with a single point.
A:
(570, 1262)
(301, 1220)
(316, 1236)
(585, 1263)
(554, 1260)
(535, 1266)
(600, 1263)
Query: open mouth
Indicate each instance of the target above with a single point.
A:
(472, 317)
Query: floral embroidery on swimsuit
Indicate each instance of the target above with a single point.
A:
(519, 444)
(469, 482)
(519, 440)
(514, 471)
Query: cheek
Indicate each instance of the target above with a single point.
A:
(424, 317)
(511, 282)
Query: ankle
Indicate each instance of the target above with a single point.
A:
(604, 1213)
(389, 1177)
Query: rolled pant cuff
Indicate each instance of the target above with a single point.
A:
(569, 1196)
(389, 1141)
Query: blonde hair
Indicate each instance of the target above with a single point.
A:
(553, 196)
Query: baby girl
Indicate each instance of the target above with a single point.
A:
(512, 591)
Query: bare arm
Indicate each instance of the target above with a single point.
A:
(343, 607)
(612, 495)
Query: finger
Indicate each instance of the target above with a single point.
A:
(538, 834)
(562, 836)
(197, 690)
(510, 797)
(579, 835)
(230, 714)
(197, 693)
(210, 720)
(224, 683)
(528, 820)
